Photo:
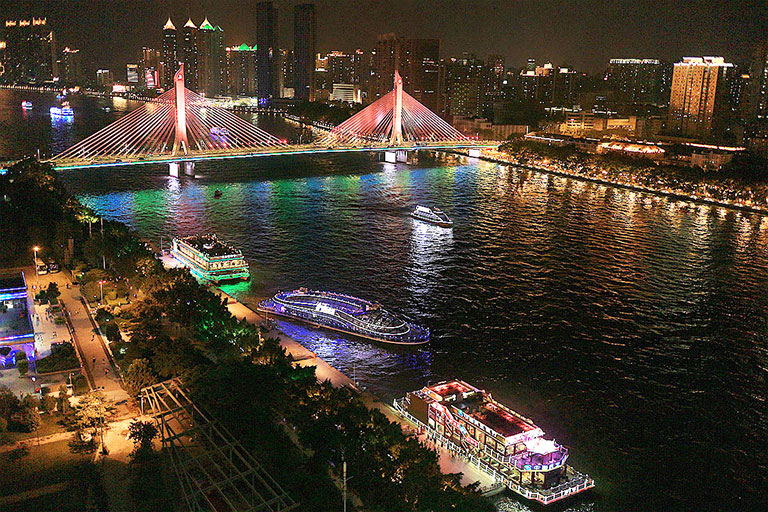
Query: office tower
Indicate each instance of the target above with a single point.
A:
(386, 60)
(758, 90)
(362, 72)
(70, 67)
(169, 61)
(188, 54)
(211, 58)
(566, 85)
(305, 38)
(267, 55)
(286, 70)
(638, 81)
(241, 70)
(104, 78)
(340, 67)
(149, 66)
(27, 51)
(463, 92)
(420, 69)
(132, 74)
(699, 96)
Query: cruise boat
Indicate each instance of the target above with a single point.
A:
(346, 314)
(496, 439)
(432, 215)
(210, 259)
(63, 111)
(26, 105)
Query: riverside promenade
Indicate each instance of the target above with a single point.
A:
(449, 463)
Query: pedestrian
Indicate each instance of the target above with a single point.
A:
(94, 360)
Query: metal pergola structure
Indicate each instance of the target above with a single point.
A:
(215, 472)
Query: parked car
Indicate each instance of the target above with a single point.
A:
(42, 269)
(53, 267)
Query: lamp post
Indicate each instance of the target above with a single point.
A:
(37, 275)
(101, 289)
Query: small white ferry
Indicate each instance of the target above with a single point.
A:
(432, 215)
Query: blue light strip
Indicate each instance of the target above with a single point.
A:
(11, 296)
(17, 337)
(272, 153)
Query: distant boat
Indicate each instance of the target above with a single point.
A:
(432, 215)
(63, 111)
(218, 194)
(106, 109)
(26, 105)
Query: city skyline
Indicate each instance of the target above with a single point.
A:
(564, 33)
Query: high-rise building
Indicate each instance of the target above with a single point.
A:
(386, 60)
(420, 69)
(267, 55)
(211, 59)
(638, 81)
(362, 73)
(286, 71)
(149, 66)
(27, 51)
(756, 106)
(188, 54)
(132, 73)
(699, 97)
(104, 78)
(463, 92)
(305, 39)
(169, 59)
(340, 67)
(70, 67)
(241, 70)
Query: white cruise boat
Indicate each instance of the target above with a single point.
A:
(432, 215)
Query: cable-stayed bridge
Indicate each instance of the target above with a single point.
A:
(182, 126)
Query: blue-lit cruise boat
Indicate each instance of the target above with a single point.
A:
(345, 314)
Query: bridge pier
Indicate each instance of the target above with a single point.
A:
(189, 168)
(399, 155)
(474, 153)
(173, 169)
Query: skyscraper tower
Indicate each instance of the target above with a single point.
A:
(169, 57)
(188, 55)
(211, 59)
(267, 53)
(305, 38)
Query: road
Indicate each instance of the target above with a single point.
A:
(98, 364)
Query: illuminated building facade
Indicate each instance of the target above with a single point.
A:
(188, 54)
(420, 69)
(386, 60)
(169, 58)
(639, 81)
(699, 97)
(104, 78)
(27, 51)
(305, 41)
(241, 70)
(464, 87)
(211, 59)
(132, 73)
(267, 55)
(70, 67)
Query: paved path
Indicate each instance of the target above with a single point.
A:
(304, 357)
(99, 367)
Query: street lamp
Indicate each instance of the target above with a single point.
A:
(101, 289)
(37, 275)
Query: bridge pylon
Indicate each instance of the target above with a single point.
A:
(397, 112)
(180, 140)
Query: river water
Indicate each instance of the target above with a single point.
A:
(631, 328)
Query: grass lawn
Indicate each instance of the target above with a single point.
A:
(46, 464)
(49, 424)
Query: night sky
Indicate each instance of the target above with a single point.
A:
(580, 33)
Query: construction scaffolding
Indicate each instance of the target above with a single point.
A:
(215, 472)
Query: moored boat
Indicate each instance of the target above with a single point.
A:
(432, 215)
(496, 439)
(26, 105)
(210, 259)
(346, 314)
